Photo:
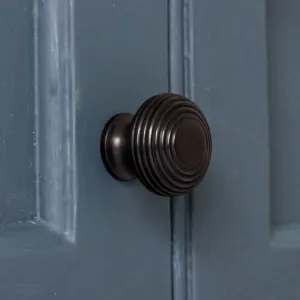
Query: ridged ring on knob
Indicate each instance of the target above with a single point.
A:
(166, 144)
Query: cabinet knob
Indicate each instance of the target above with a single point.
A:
(166, 144)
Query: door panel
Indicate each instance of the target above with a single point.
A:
(283, 47)
(16, 107)
(246, 82)
(123, 230)
(91, 236)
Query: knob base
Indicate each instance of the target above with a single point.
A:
(115, 147)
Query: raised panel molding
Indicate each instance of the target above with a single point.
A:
(55, 143)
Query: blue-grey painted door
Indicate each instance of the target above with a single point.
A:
(68, 230)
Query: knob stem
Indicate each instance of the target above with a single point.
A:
(115, 147)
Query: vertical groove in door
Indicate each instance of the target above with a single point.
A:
(181, 80)
(189, 92)
(36, 105)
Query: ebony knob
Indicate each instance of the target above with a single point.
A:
(166, 144)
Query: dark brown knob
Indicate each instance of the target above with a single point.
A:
(166, 144)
